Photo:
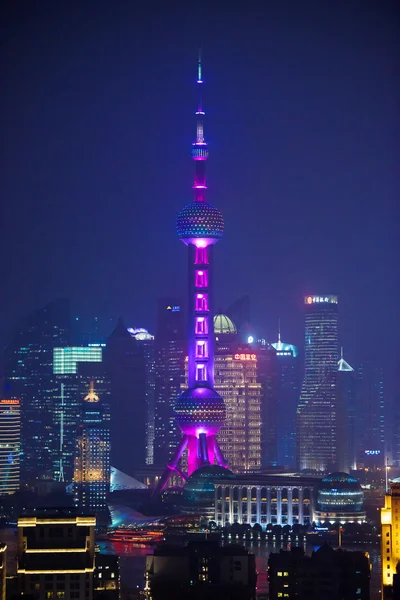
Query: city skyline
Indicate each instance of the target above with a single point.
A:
(316, 126)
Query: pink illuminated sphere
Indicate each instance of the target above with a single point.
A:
(199, 410)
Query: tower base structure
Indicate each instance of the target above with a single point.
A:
(202, 451)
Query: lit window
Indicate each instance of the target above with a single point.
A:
(201, 325)
(201, 373)
(201, 256)
(201, 349)
(202, 302)
(201, 279)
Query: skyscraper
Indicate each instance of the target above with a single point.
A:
(170, 352)
(237, 382)
(125, 365)
(347, 389)
(10, 439)
(92, 460)
(317, 442)
(74, 368)
(370, 424)
(146, 345)
(199, 410)
(28, 377)
(287, 388)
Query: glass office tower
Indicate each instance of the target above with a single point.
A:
(317, 435)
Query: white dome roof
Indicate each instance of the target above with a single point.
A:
(223, 324)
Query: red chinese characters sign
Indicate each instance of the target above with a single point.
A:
(245, 356)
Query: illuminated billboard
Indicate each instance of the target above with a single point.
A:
(245, 356)
(320, 300)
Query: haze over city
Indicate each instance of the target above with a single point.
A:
(302, 122)
(199, 315)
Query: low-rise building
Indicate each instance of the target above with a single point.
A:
(202, 569)
(106, 582)
(55, 557)
(329, 574)
(263, 499)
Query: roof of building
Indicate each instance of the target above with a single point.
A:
(200, 486)
(224, 325)
(339, 481)
(343, 365)
(122, 481)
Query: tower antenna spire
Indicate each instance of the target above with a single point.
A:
(279, 334)
(199, 149)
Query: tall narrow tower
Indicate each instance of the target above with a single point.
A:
(199, 411)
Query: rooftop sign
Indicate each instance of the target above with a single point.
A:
(320, 300)
(245, 357)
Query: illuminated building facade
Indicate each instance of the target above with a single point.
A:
(390, 540)
(347, 398)
(66, 360)
(125, 364)
(10, 441)
(146, 344)
(340, 499)
(237, 383)
(285, 387)
(317, 441)
(28, 374)
(74, 367)
(92, 461)
(264, 499)
(170, 353)
(199, 410)
(56, 554)
(370, 422)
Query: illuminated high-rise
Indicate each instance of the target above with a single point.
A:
(281, 397)
(74, 367)
(237, 382)
(199, 410)
(370, 422)
(10, 439)
(317, 441)
(170, 352)
(92, 459)
(28, 371)
(146, 345)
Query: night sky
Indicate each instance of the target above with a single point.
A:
(302, 123)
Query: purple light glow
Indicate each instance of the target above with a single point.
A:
(199, 411)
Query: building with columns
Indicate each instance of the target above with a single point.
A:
(263, 499)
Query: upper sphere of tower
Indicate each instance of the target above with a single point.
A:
(200, 220)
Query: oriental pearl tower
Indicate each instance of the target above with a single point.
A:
(199, 410)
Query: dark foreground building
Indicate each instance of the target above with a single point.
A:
(56, 554)
(327, 574)
(200, 570)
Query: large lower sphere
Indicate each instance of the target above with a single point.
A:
(199, 410)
